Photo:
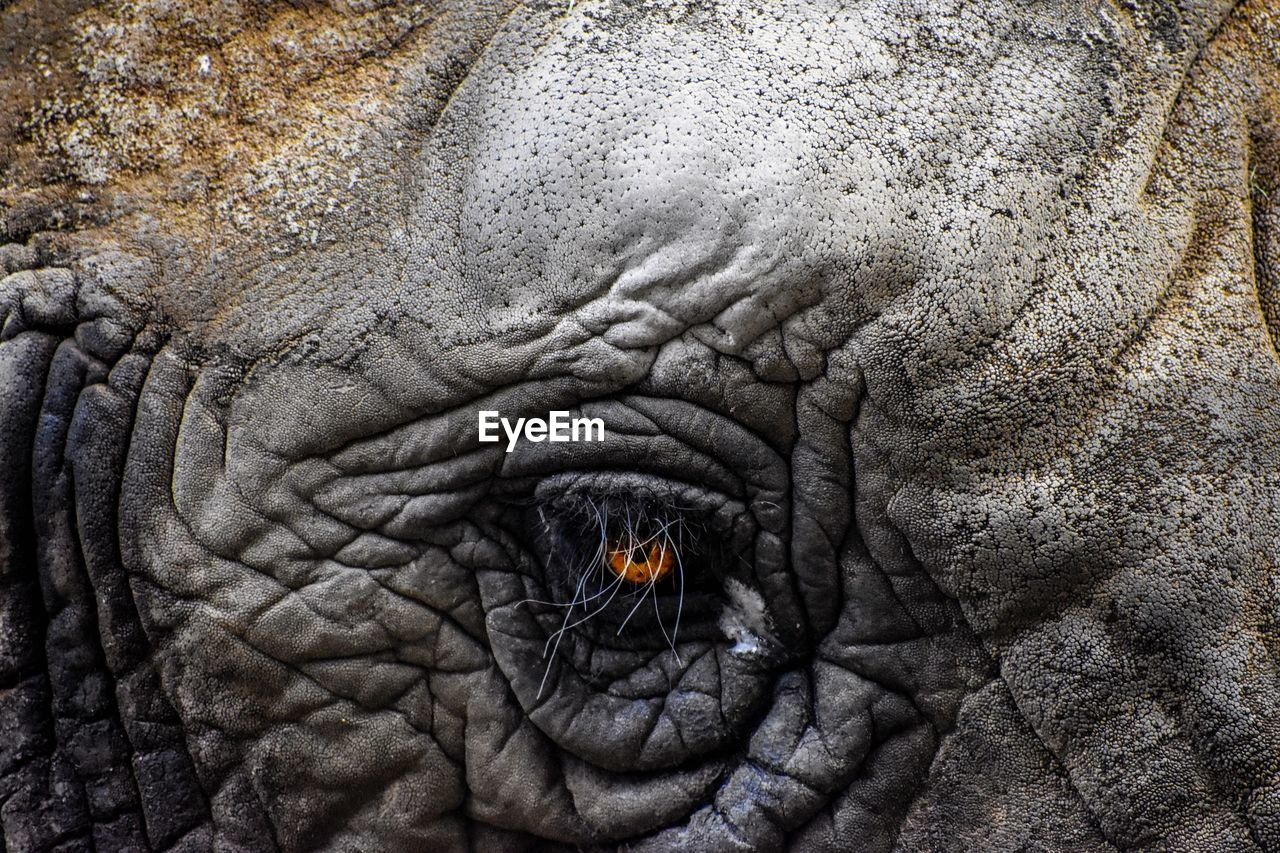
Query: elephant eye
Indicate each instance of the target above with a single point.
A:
(619, 544)
(641, 561)
(629, 560)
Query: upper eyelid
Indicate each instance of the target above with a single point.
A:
(702, 515)
(663, 457)
(630, 485)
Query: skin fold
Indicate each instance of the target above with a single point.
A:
(937, 341)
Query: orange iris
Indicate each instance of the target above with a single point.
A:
(639, 565)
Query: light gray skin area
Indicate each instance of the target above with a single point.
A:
(946, 327)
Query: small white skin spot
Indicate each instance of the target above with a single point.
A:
(744, 619)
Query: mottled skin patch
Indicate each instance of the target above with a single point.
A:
(948, 328)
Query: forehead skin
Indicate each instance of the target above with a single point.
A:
(671, 175)
(764, 181)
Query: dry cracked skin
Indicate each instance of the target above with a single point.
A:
(936, 347)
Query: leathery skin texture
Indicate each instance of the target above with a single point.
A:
(937, 341)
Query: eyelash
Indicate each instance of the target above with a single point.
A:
(623, 534)
(593, 542)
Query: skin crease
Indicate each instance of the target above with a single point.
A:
(944, 332)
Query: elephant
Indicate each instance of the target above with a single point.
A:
(934, 348)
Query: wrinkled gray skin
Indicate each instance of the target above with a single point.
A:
(951, 320)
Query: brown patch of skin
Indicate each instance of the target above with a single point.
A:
(226, 122)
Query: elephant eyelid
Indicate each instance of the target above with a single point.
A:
(625, 525)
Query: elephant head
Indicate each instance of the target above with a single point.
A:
(934, 348)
